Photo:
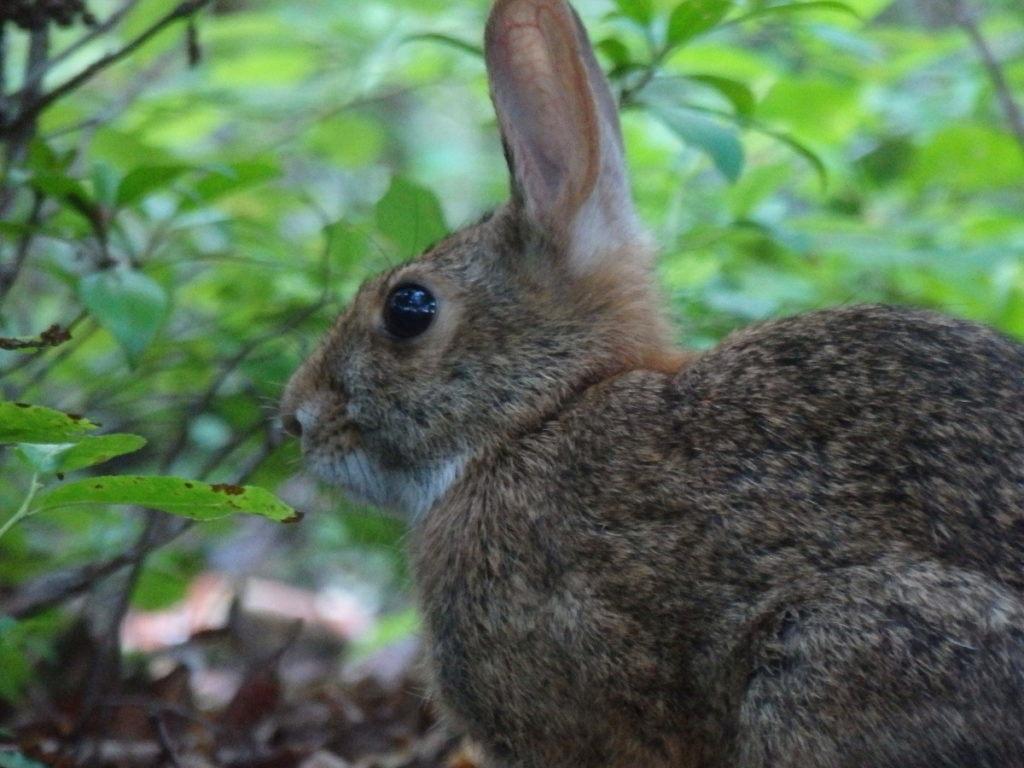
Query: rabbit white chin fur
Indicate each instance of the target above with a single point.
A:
(410, 491)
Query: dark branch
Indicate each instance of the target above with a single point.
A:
(53, 336)
(52, 589)
(966, 18)
(184, 11)
(35, 77)
(9, 272)
(3, 74)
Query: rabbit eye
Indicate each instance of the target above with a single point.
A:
(409, 311)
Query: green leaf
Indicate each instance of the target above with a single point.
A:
(348, 139)
(640, 11)
(15, 229)
(104, 183)
(448, 40)
(347, 247)
(143, 180)
(695, 17)
(801, 149)
(738, 94)
(226, 179)
(616, 51)
(786, 8)
(15, 665)
(411, 216)
(166, 579)
(87, 452)
(60, 186)
(719, 142)
(43, 158)
(969, 157)
(187, 498)
(128, 304)
(23, 423)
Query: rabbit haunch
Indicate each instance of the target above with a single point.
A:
(801, 549)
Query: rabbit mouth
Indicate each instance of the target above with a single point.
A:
(410, 491)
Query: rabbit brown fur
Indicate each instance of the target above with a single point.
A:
(802, 548)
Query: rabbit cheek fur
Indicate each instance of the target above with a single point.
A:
(800, 549)
(393, 422)
(360, 428)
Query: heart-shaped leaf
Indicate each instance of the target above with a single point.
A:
(411, 216)
(128, 304)
(717, 140)
(695, 17)
(141, 181)
(640, 11)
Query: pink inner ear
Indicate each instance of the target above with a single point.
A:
(544, 103)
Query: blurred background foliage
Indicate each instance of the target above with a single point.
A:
(196, 213)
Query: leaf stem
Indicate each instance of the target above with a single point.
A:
(26, 506)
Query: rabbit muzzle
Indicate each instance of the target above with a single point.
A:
(337, 451)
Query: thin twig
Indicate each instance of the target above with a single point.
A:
(38, 53)
(183, 11)
(35, 77)
(19, 130)
(126, 97)
(28, 360)
(203, 402)
(241, 438)
(53, 336)
(164, 737)
(9, 273)
(3, 74)
(54, 588)
(966, 18)
(658, 54)
(270, 443)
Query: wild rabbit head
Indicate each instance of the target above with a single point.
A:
(492, 328)
(801, 548)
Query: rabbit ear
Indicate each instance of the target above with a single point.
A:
(560, 127)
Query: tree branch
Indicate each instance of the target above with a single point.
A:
(3, 75)
(966, 18)
(203, 402)
(35, 77)
(52, 589)
(9, 272)
(184, 10)
(53, 336)
(65, 350)
(17, 133)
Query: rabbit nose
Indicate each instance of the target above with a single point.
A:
(291, 425)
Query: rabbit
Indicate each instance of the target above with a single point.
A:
(804, 547)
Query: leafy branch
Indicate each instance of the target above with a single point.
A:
(21, 109)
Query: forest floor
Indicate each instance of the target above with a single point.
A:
(258, 692)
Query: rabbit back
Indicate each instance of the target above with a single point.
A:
(809, 541)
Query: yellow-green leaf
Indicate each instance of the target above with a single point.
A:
(87, 452)
(188, 498)
(23, 423)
